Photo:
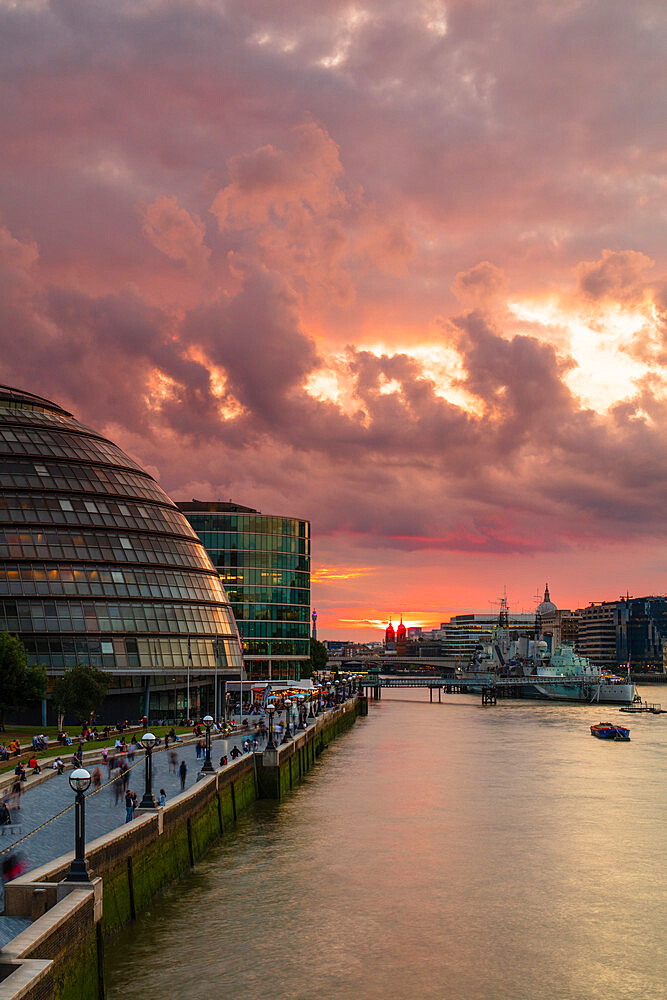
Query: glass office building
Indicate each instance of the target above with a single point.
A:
(98, 566)
(264, 565)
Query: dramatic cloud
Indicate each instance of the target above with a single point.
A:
(175, 232)
(398, 269)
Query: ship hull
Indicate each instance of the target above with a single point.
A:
(608, 694)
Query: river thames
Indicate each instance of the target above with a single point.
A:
(435, 851)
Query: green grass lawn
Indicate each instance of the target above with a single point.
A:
(24, 735)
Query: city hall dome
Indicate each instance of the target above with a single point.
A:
(97, 564)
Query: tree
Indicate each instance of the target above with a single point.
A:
(60, 697)
(80, 692)
(19, 683)
(318, 656)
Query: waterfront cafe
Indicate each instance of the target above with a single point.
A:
(256, 694)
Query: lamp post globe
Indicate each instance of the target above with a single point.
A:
(288, 706)
(207, 765)
(270, 745)
(148, 741)
(79, 780)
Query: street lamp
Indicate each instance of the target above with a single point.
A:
(337, 691)
(288, 705)
(216, 647)
(302, 712)
(208, 722)
(79, 781)
(270, 745)
(311, 713)
(148, 741)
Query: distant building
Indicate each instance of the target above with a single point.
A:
(646, 632)
(602, 633)
(343, 649)
(611, 633)
(401, 639)
(547, 607)
(555, 626)
(463, 634)
(264, 564)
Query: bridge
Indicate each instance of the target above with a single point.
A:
(491, 685)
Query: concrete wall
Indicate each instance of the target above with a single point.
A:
(61, 954)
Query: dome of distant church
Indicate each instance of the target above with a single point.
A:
(97, 564)
(547, 607)
(389, 635)
(400, 631)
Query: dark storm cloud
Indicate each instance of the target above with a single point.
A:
(209, 206)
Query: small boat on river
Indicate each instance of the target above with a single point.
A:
(608, 731)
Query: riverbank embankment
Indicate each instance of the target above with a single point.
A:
(61, 954)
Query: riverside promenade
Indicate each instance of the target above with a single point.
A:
(60, 953)
(50, 793)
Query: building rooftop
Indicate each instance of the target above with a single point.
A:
(214, 507)
(18, 398)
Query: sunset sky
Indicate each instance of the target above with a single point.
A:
(398, 268)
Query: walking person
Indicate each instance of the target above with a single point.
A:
(118, 787)
(182, 771)
(15, 797)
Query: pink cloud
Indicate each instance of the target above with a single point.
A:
(175, 232)
(349, 198)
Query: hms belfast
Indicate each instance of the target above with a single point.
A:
(561, 675)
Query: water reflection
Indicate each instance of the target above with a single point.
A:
(435, 851)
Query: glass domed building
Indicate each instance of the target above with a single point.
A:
(98, 566)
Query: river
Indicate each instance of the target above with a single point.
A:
(435, 851)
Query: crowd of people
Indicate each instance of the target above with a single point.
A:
(119, 761)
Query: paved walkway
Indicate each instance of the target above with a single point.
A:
(103, 811)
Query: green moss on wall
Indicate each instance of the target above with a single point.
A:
(76, 976)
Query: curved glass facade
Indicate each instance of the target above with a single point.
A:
(97, 564)
(264, 565)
